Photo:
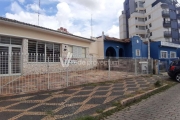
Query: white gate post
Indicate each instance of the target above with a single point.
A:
(67, 81)
(48, 74)
(109, 68)
(135, 66)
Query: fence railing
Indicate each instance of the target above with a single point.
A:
(19, 76)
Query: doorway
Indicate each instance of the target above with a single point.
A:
(10, 59)
(121, 52)
(110, 52)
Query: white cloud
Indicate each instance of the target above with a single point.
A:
(16, 8)
(21, 1)
(35, 8)
(76, 16)
(114, 31)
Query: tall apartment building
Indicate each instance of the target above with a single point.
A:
(161, 17)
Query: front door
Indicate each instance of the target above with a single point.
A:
(10, 60)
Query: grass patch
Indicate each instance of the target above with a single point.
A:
(99, 110)
(87, 118)
(50, 113)
(158, 83)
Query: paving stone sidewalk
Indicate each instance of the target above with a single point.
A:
(162, 106)
(71, 103)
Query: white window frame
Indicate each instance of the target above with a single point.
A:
(162, 54)
(172, 52)
(138, 52)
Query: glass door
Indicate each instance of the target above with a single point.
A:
(4, 60)
(15, 60)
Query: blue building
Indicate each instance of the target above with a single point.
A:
(164, 51)
(133, 47)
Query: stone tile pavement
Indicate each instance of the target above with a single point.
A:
(162, 106)
(70, 103)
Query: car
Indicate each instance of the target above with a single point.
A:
(174, 70)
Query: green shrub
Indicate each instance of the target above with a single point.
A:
(157, 83)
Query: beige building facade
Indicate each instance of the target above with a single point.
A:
(26, 48)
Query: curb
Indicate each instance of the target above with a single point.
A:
(139, 96)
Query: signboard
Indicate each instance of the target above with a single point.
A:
(168, 44)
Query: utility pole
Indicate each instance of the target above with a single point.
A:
(91, 27)
(148, 36)
(39, 10)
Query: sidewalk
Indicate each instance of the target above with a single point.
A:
(71, 103)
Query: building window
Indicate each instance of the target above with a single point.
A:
(150, 25)
(142, 27)
(149, 16)
(150, 33)
(78, 52)
(136, 26)
(145, 18)
(136, 18)
(43, 52)
(164, 54)
(172, 54)
(138, 52)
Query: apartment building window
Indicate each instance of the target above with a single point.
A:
(172, 54)
(138, 52)
(43, 52)
(150, 33)
(145, 18)
(136, 18)
(164, 54)
(150, 25)
(136, 26)
(146, 27)
(141, 19)
(142, 27)
(149, 16)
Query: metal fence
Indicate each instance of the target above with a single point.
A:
(18, 75)
(163, 66)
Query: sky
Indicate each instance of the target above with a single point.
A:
(74, 15)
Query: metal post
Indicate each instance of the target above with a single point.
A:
(67, 81)
(135, 66)
(148, 36)
(148, 66)
(109, 69)
(148, 49)
(48, 73)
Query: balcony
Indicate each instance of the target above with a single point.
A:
(167, 33)
(165, 13)
(164, 6)
(175, 1)
(178, 16)
(167, 24)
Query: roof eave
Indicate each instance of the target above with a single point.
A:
(42, 29)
